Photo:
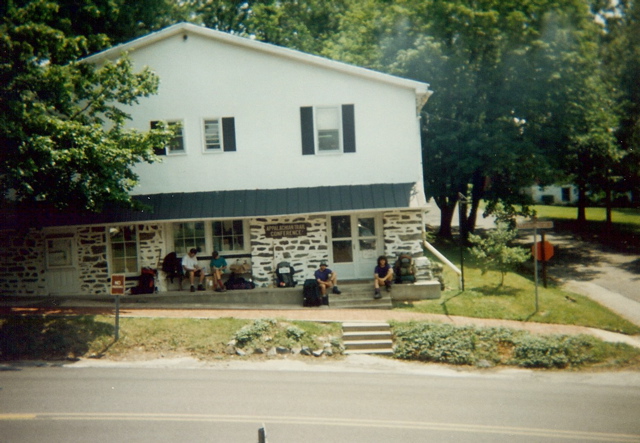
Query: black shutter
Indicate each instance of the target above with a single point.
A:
(306, 127)
(229, 134)
(348, 129)
(158, 151)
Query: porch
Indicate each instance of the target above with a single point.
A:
(355, 295)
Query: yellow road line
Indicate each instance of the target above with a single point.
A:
(331, 421)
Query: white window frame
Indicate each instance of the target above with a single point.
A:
(68, 246)
(112, 255)
(316, 129)
(204, 136)
(208, 232)
(170, 122)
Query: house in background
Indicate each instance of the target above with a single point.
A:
(280, 156)
(553, 194)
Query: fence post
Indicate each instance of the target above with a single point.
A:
(262, 434)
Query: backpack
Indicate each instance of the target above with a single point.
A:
(405, 269)
(146, 282)
(311, 296)
(284, 275)
(236, 282)
(172, 266)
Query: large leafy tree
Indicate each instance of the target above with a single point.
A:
(62, 130)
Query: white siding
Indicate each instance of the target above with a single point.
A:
(202, 78)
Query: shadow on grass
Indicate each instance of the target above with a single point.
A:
(49, 338)
(444, 302)
(498, 291)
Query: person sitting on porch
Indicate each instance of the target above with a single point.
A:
(218, 267)
(382, 276)
(192, 269)
(326, 278)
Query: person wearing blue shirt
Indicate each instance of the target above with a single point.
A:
(326, 278)
(218, 267)
(382, 276)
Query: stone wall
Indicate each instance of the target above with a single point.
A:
(403, 235)
(22, 266)
(303, 253)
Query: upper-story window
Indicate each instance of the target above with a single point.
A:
(219, 134)
(176, 144)
(327, 129)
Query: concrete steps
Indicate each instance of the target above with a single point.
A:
(359, 296)
(367, 338)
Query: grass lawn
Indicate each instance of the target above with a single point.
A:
(620, 216)
(515, 300)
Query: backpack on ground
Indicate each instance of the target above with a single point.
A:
(236, 282)
(405, 269)
(285, 275)
(311, 296)
(146, 282)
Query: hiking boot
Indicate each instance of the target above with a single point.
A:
(336, 290)
(377, 294)
(387, 285)
(193, 288)
(200, 288)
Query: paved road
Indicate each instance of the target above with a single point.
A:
(197, 405)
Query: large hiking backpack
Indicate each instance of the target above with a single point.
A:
(405, 269)
(172, 266)
(311, 293)
(146, 282)
(284, 275)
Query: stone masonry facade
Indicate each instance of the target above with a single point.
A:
(23, 254)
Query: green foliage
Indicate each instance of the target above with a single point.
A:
(264, 333)
(470, 345)
(63, 124)
(494, 253)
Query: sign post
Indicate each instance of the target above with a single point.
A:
(535, 224)
(117, 289)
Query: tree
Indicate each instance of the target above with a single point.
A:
(62, 129)
(493, 251)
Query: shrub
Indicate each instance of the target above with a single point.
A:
(444, 343)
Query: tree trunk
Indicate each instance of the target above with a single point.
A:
(446, 216)
(582, 204)
(477, 192)
(608, 202)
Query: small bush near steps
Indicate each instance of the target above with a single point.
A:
(486, 347)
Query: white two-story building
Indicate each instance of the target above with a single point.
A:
(281, 156)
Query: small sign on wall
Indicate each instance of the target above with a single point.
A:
(281, 230)
(117, 284)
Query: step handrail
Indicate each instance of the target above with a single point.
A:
(443, 259)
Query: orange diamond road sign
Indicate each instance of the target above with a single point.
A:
(544, 250)
(117, 284)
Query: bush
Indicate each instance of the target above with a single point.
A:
(468, 345)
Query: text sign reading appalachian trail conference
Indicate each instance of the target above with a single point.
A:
(286, 230)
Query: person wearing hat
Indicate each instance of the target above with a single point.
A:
(326, 278)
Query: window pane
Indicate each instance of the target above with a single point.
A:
(340, 226)
(366, 227)
(329, 140)
(212, 135)
(177, 142)
(124, 249)
(228, 235)
(367, 245)
(342, 251)
(187, 236)
(328, 125)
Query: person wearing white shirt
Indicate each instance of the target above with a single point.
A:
(192, 269)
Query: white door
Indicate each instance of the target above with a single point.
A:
(62, 270)
(355, 243)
